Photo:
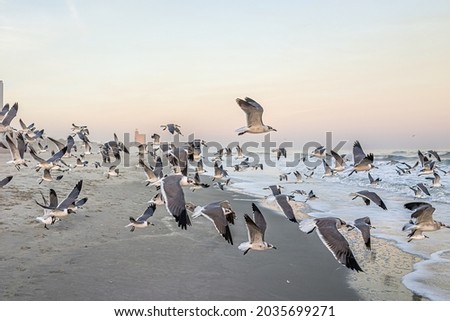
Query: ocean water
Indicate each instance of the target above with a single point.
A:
(430, 277)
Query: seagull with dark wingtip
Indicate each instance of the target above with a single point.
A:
(254, 112)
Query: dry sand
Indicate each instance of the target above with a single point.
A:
(90, 255)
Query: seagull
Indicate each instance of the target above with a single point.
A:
(436, 180)
(172, 192)
(327, 230)
(419, 190)
(256, 229)
(283, 203)
(362, 162)
(368, 196)
(363, 225)
(276, 189)
(17, 152)
(151, 177)
(7, 118)
(222, 185)
(328, 172)
(319, 152)
(6, 180)
(280, 152)
(219, 172)
(172, 128)
(373, 181)
(311, 196)
(254, 112)
(62, 209)
(217, 215)
(142, 221)
(422, 221)
(298, 177)
(47, 218)
(339, 164)
(197, 183)
(49, 163)
(112, 171)
(48, 177)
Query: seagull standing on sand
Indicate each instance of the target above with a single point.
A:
(142, 221)
(254, 112)
(173, 195)
(256, 229)
(327, 230)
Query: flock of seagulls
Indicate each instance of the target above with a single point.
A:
(171, 184)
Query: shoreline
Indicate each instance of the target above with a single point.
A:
(90, 255)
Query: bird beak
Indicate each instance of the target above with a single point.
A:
(274, 129)
(274, 248)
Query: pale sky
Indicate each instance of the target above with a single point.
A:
(376, 71)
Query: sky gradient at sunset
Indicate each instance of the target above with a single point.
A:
(377, 71)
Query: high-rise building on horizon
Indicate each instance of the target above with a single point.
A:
(139, 138)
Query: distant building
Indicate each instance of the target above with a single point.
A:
(139, 138)
(1, 94)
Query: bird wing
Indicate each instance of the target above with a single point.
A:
(364, 225)
(371, 196)
(174, 197)
(358, 153)
(9, 116)
(423, 214)
(254, 233)
(282, 200)
(336, 243)
(5, 181)
(148, 213)
(259, 220)
(72, 196)
(253, 111)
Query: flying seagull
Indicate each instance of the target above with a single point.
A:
(368, 197)
(364, 226)
(362, 162)
(173, 195)
(256, 229)
(327, 230)
(254, 112)
(283, 202)
(142, 221)
(216, 213)
(172, 128)
(422, 221)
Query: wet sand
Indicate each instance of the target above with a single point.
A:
(90, 255)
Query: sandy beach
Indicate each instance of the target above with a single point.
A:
(90, 255)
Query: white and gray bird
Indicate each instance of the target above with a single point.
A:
(327, 229)
(172, 128)
(421, 221)
(173, 195)
(256, 229)
(368, 197)
(142, 221)
(361, 161)
(217, 214)
(364, 226)
(254, 112)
